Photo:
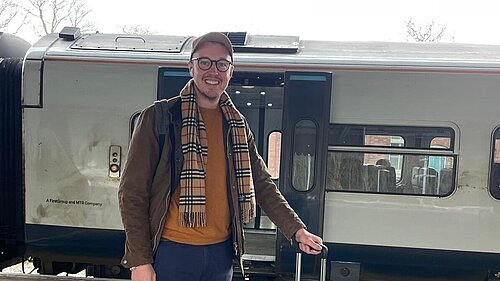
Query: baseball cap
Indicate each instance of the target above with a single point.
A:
(213, 37)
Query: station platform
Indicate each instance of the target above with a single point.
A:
(38, 277)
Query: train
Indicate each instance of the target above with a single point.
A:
(389, 151)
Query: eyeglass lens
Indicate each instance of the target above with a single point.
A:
(221, 65)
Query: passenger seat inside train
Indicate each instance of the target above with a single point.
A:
(356, 176)
(430, 181)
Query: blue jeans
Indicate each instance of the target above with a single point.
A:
(182, 262)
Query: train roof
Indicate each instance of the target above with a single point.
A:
(269, 49)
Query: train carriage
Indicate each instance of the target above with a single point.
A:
(386, 150)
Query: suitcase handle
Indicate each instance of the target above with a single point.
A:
(298, 261)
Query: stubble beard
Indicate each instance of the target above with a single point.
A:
(207, 97)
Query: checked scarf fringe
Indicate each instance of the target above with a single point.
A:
(192, 203)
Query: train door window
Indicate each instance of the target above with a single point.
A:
(391, 159)
(495, 165)
(304, 152)
(274, 154)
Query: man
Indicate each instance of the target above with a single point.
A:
(183, 205)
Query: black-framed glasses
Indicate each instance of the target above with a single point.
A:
(204, 63)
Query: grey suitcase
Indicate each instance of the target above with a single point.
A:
(298, 262)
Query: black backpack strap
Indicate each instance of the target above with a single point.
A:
(164, 127)
(162, 121)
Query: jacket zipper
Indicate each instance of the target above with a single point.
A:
(231, 190)
(237, 226)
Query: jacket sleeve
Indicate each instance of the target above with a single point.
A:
(135, 188)
(269, 197)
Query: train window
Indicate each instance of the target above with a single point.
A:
(384, 140)
(304, 155)
(349, 171)
(274, 154)
(441, 143)
(495, 166)
(414, 137)
(391, 160)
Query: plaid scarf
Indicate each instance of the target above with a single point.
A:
(192, 203)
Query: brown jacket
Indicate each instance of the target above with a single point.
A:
(146, 187)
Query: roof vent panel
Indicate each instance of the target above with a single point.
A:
(237, 38)
(131, 43)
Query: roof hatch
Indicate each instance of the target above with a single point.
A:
(124, 42)
(243, 43)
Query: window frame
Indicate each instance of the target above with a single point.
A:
(491, 173)
(420, 151)
(315, 160)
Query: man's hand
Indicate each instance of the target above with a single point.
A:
(308, 242)
(143, 272)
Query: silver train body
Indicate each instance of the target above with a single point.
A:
(387, 150)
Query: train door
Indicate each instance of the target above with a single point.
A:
(306, 115)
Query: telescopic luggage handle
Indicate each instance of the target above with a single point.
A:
(298, 261)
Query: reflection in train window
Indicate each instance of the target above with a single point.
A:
(348, 171)
(391, 160)
(495, 166)
(414, 137)
(304, 155)
(274, 154)
(441, 143)
(385, 140)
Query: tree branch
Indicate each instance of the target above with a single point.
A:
(427, 33)
(52, 14)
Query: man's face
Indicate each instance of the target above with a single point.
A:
(212, 82)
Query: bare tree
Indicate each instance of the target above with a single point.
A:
(8, 10)
(136, 29)
(425, 33)
(11, 16)
(79, 17)
(47, 16)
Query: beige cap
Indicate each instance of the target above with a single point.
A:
(213, 37)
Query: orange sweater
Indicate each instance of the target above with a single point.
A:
(217, 229)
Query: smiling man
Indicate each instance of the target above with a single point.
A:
(184, 218)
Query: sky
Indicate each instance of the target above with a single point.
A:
(348, 20)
